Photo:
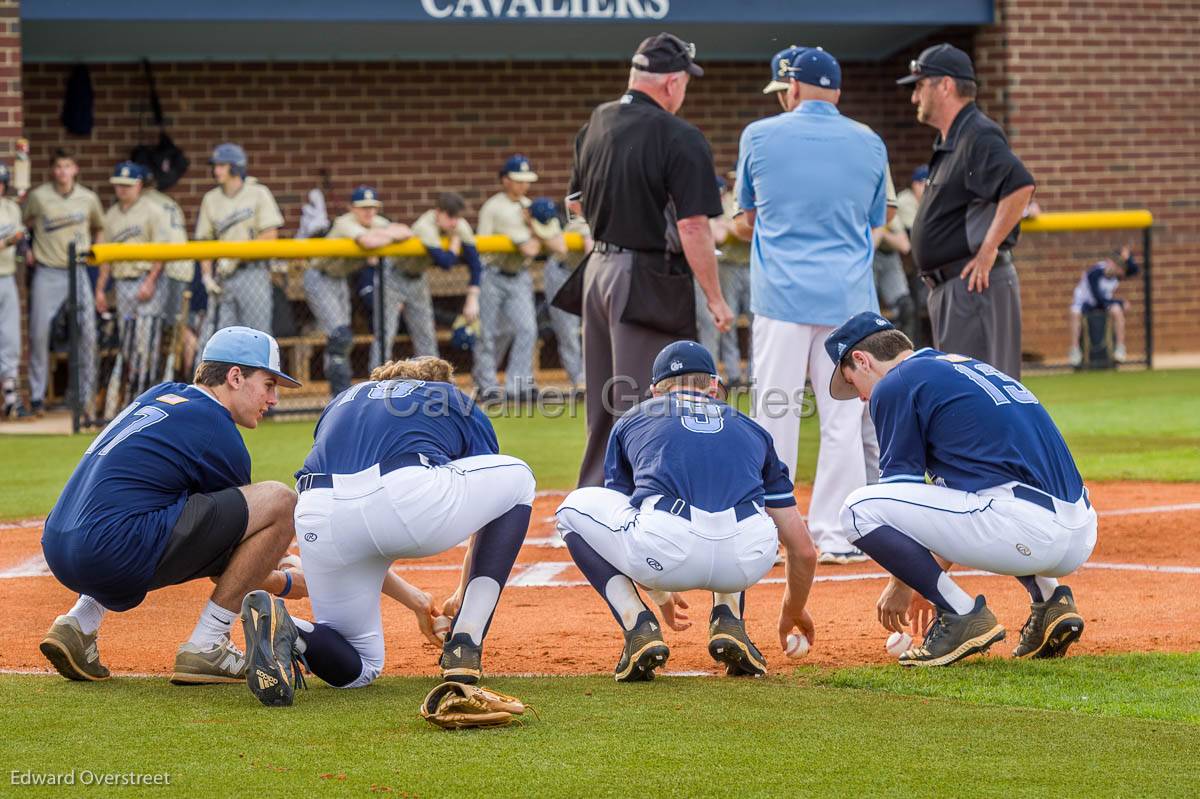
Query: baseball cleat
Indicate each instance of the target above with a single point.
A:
(1051, 628)
(644, 650)
(273, 670)
(462, 661)
(852, 555)
(72, 653)
(952, 637)
(728, 643)
(219, 664)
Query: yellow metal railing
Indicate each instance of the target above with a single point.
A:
(1088, 220)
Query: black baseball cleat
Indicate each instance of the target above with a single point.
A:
(644, 650)
(952, 637)
(728, 643)
(273, 670)
(461, 661)
(1051, 628)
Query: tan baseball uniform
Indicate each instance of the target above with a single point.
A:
(501, 216)
(141, 223)
(59, 220)
(347, 227)
(176, 232)
(241, 217)
(10, 223)
(10, 302)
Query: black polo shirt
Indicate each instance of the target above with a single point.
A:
(970, 173)
(632, 159)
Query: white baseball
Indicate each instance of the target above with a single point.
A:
(797, 646)
(289, 561)
(898, 643)
(441, 626)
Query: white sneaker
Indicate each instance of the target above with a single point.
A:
(1075, 357)
(1119, 353)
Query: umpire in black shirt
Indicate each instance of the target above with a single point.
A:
(966, 224)
(637, 169)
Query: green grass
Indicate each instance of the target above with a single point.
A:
(796, 735)
(1120, 425)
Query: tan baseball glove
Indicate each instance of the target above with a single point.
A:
(454, 706)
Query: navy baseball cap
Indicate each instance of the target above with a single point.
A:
(5, 174)
(666, 53)
(941, 60)
(517, 168)
(127, 173)
(781, 62)
(921, 174)
(245, 346)
(842, 340)
(681, 358)
(365, 197)
(816, 68)
(543, 209)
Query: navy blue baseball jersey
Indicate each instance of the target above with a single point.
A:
(969, 426)
(113, 519)
(372, 422)
(695, 448)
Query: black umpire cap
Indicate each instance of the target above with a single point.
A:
(666, 53)
(941, 60)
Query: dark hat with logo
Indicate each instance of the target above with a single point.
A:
(920, 174)
(842, 340)
(682, 358)
(365, 197)
(781, 64)
(941, 60)
(817, 68)
(666, 53)
(517, 168)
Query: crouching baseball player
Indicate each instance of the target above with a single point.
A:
(1004, 496)
(400, 468)
(686, 481)
(163, 496)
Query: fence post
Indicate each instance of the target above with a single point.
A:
(1147, 283)
(380, 322)
(73, 387)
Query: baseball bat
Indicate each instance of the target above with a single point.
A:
(138, 363)
(113, 392)
(155, 347)
(176, 352)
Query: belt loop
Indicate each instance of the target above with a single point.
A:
(677, 507)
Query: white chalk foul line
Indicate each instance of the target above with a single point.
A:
(33, 567)
(1154, 509)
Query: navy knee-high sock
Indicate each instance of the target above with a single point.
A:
(914, 565)
(600, 574)
(330, 656)
(496, 548)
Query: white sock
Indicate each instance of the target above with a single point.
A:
(479, 602)
(304, 626)
(624, 599)
(88, 613)
(214, 625)
(1046, 585)
(731, 601)
(959, 600)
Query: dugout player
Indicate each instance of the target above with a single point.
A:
(633, 159)
(966, 224)
(560, 263)
(325, 286)
(12, 233)
(58, 213)
(239, 292)
(506, 307)
(402, 466)
(163, 496)
(973, 472)
(179, 274)
(671, 518)
(1095, 291)
(406, 285)
(140, 289)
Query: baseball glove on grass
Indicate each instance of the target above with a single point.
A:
(454, 706)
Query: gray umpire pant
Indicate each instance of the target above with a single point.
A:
(617, 357)
(566, 325)
(10, 328)
(506, 308)
(408, 295)
(982, 325)
(143, 314)
(49, 292)
(735, 285)
(245, 299)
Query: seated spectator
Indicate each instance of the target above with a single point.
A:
(1095, 291)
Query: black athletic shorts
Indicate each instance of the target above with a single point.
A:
(204, 538)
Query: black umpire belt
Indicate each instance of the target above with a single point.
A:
(1041, 499)
(677, 507)
(936, 277)
(321, 480)
(606, 248)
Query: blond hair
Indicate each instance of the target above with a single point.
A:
(423, 367)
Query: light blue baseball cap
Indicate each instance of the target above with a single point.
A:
(245, 346)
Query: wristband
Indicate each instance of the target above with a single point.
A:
(287, 584)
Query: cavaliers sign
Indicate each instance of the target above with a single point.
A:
(547, 9)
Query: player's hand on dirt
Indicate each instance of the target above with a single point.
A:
(672, 612)
(101, 302)
(977, 270)
(791, 619)
(470, 310)
(920, 614)
(722, 315)
(893, 605)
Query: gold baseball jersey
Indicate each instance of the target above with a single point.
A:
(59, 220)
(176, 231)
(10, 223)
(141, 223)
(347, 227)
(501, 216)
(241, 217)
(733, 250)
(577, 225)
(426, 230)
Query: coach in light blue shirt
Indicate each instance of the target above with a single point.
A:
(812, 184)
